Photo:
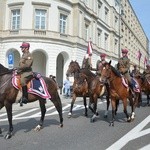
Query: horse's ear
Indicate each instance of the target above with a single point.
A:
(110, 62)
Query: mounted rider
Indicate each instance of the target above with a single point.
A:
(135, 72)
(146, 73)
(124, 66)
(86, 63)
(100, 63)
(25, 70)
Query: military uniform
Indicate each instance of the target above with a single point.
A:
(124, 65)
(25, 68)
(146, 72)
(135, 72)
(86, 62)
(100, 64)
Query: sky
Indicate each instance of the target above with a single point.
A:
(141, 8)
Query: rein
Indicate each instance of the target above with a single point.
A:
(1, 74)
(5, 82)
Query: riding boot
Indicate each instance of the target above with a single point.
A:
(24, 98)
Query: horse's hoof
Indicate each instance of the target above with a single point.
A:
(111, 124)
(8, 136)
(61, 125)
(38, 128)
(69, 115)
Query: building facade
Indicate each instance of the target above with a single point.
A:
(59, 30)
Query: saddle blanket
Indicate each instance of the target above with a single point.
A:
(35, 86)
(135, 84)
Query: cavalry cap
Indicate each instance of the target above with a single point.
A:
(25, 45)
(124, 51)
(103, 55)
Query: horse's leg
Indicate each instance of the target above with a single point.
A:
(43, 111)
(58, 105)
(117, 105)
(72, 103)
(85, 105)
(113, 103)
(1, 106)
(125, 109)
(148, 98)
(108, 101)
(94, 109)
(8, 107)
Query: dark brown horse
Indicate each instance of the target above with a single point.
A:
(118, 91)
(80, 89)
(145, 87)
(94, 87)
(10, 95)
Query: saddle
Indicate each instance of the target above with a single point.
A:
(135, 84)
(36, 86)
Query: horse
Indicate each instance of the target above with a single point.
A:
(145, 87)
(118, 91)
(94, 87)
(80, 88)
(10, 95)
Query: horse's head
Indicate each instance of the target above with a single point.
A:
(73, 68)
(105, 72)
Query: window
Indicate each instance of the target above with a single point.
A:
(15, 19)
(99, 38)
(116, 22)
(86, 32)
(63, 23)
(99, 9)
(106, 14)
(40, 19)
(116, 45)
(106, 41)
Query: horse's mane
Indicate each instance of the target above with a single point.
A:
(115, 71)
(4, 70)
(88, 72)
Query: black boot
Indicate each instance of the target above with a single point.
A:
(24, 98)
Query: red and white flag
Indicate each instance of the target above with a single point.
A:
(139, 55)
(89, 48)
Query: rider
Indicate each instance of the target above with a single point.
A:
(86, 62)
(124, 66)
(135, 72)
(25, 70)
(146, 72)
(100, 63)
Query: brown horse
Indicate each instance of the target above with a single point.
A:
(10, 95)
(80, 89)
(145, 87)
(94, 87)
(118, 91)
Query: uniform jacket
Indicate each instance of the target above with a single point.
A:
(86, 63)
(25, 64)
(123, 65)
(99, 66)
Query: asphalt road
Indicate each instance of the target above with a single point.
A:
(78, 132)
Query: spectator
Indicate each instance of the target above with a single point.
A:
(67, 85)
